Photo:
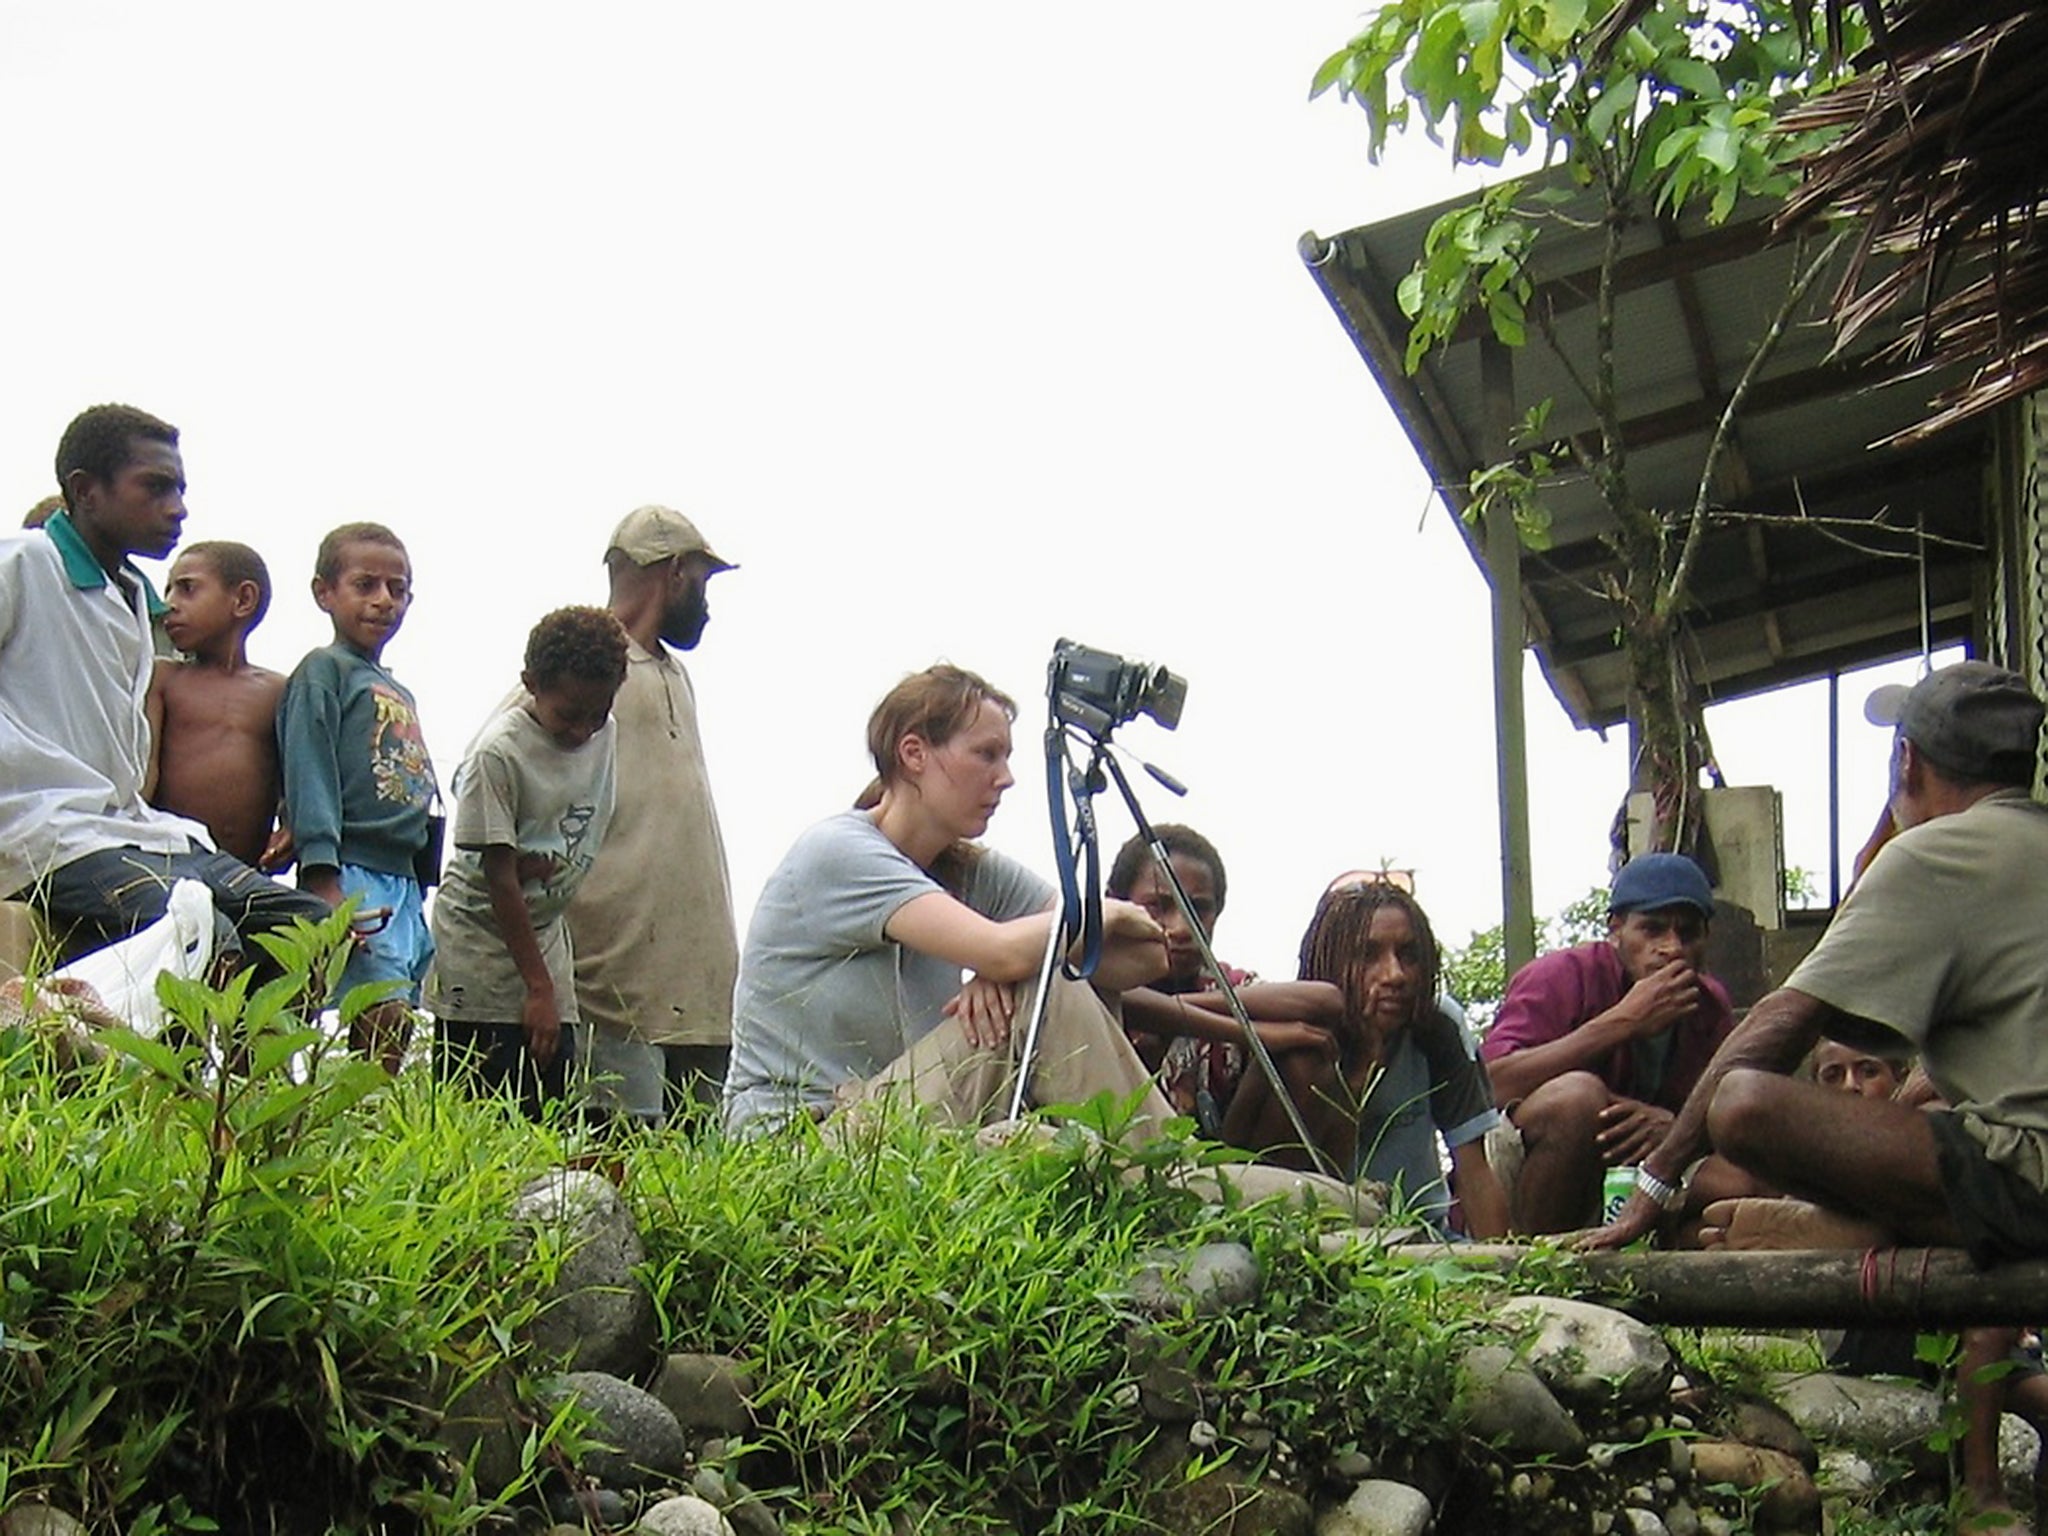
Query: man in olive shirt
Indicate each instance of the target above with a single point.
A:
(1940, 944)
(652, 923)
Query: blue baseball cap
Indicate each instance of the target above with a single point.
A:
(1651, 882)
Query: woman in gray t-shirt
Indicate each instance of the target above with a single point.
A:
(856, 949)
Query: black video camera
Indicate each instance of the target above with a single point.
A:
(1099, 691)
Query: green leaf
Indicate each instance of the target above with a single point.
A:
(153, 1054)
(1331, 71)
(1719, 146)
(367, 995)
(1693, 75)
(1408, 294)
(1556, 22)
(1480, 18)
(1678, 142)
(1616, 98)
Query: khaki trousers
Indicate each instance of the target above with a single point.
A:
(1082, 1051)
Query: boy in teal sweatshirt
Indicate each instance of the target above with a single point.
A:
(358, 785)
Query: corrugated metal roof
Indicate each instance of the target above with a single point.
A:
(1777, 601)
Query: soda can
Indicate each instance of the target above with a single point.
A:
(1615, 1188)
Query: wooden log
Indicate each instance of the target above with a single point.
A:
(1806, 1288)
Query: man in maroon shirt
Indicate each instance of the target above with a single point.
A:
(1594, 1048)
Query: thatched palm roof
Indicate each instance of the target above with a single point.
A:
(1939, 163)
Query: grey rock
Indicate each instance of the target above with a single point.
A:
(1350, 1467)
(581, 1510)
(1787, 1498)
(707, 1393)
(1505, 1404)
(1882, 1418)
(596, 1315)
(485, 1427)
(1680, 1520)
(1643, 1522)
(638, 1441)
(2019, 1448)
(1354, 1241)
(1222, 1501)
(1378, 1507)
(686, 1515)
(1843, 1471)
(1212, 1279)
(39, 1520)
(1246, 1183)
(1592, 1356)
(739, 1504)
(1169, 1390)
(1767, 1425)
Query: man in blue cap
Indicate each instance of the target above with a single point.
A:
(1940, 945)
(1595, 1047)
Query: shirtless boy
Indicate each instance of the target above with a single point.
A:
(212, 716)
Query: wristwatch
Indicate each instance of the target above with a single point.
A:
(1669, 1197)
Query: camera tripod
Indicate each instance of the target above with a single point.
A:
(1080, 914)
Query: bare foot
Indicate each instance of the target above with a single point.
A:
(1755, 1223)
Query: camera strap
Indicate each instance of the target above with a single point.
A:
(1080, 895)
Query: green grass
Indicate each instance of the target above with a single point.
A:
(228, 1300)
(938, 1326)
(238, 1293)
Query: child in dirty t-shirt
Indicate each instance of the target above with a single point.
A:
(532, 799)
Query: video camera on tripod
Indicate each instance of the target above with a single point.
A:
(1094, 692)
(1099, 691)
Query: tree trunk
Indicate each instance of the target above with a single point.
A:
(1668, 762)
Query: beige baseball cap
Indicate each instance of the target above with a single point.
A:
(652, 533)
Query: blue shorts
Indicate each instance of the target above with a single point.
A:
(399, 951)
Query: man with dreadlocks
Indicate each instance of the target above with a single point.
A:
(1595, 1047)
(1390, 1071)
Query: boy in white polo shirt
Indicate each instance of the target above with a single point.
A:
(76, 837)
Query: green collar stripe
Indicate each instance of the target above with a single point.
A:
(83, 568)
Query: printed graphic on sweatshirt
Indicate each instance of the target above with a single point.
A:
(398, 751)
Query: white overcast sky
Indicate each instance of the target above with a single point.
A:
(960, 327)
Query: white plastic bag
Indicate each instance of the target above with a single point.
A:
(124, 974)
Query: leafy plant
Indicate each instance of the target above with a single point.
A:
(235, 1294)
(1680, 110)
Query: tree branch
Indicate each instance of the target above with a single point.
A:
(1672, 596)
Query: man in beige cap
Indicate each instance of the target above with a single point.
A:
(652, 923)
(1938, 947)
